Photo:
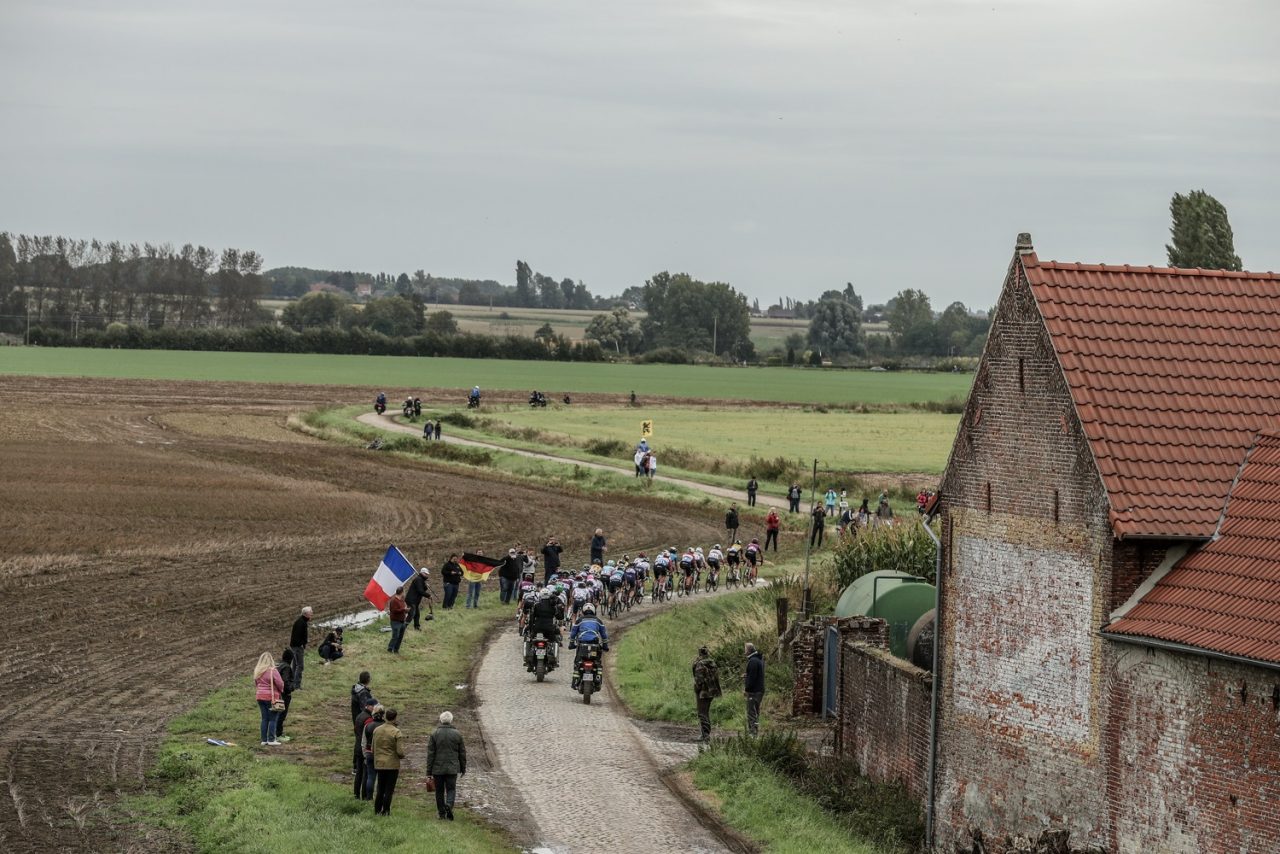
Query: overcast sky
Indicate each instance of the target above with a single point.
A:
(785, 146)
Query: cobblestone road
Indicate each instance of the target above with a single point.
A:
(589, 784)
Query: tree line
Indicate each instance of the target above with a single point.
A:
(70, 283)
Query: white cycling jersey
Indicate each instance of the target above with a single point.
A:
(715, 556)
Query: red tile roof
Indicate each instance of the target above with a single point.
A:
(1225, 596)
(1172, 372)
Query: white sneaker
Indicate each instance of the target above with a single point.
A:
(263, 743)
(274, 743)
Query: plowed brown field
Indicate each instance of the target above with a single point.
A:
(155, 537)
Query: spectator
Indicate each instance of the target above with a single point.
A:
(418, 591)
(819, 523)
(753, 687)
(268, 688)
(398, 611)
(451, 578)
(426, 429)
(438, 423)
(388, 750)
(772, 523)
(706, 687)
(731, 523)
(599, 545)
(331, 649)
(357, 770)
(298, 643)
(793, 497)
(508, 575)
(285, 668)
(884, 513)
(864, 514)
(550, 559)
(446, 761)
(377, 717)
(830, 500)
(361, 699)
(653, 464)
(752, 487)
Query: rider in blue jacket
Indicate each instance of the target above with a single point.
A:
(589, 630)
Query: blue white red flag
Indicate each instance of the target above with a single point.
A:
(394, 571)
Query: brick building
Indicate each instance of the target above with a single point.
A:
(1110, 623)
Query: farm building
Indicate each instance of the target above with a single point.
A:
(1109, 656)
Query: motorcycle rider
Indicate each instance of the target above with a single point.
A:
(588, 630)
(544, 619)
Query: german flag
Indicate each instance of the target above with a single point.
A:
(477, 567)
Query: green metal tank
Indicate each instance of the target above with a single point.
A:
(897, 598)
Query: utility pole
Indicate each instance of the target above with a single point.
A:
(715, 329)
(808, 548)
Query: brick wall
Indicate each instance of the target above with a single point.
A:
(1026, 581)
(808, 655)
(884, 716)
(1194, 759)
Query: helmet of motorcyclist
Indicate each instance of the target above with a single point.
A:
(589, 609)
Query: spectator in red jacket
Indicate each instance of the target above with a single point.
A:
(398, 611)
(771, 525)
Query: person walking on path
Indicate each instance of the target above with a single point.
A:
(793, 497)
(752, 487)
(398, 611)
(753, 687)
(426, 429)
(446, 762)
(772, 523)
(438, 423)
(388, 750)
(731, 523)
(418, 591)
(550, 559)
(706, 687)
(451, 578)
(508, 575)
(298, 643)
(268, 688)
(285, 668)
(819, 523)
(598, 547)
(361, 700)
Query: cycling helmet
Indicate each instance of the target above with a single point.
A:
(716, 546)
(640, 555)
(698, 550)
(545, 594)
(589, 609)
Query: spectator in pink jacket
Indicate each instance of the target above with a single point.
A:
(269, 688)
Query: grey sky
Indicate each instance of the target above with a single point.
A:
(785, 147)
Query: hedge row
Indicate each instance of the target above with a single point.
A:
(357, 341)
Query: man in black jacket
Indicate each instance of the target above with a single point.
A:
(451, 578)
(298, 643)
(753, 486)
(417, 592)
(731, 522)
(550, 559)
(361, 702)
(753, 687)
(508, 574)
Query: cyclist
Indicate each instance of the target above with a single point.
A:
(581, 597)
(661, 567)
(754, 555)
(688, 566)
(714, 558)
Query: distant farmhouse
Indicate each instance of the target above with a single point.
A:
(1109, 636)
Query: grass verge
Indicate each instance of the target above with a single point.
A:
(299, 797)
(654, 664)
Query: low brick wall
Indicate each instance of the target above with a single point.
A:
(808, 653)
(884, 716)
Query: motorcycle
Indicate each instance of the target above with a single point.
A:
(473, 402)
(379, 407)
(540, 655)
(588, 671)
(538, 400)
(407, 411)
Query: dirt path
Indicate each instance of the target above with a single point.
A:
(577, 764)
(386, 422)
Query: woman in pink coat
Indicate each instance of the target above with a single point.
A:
(269, 688)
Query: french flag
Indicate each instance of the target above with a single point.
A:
(394, 571)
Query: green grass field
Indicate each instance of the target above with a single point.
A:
(401, 375)
(841, 440)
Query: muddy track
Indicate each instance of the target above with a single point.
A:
(147, 546)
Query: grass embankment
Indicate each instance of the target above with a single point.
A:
(339, 425)
(698, 382)
(298, 797)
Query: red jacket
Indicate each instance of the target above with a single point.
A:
(398, 609)
(772, 522)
